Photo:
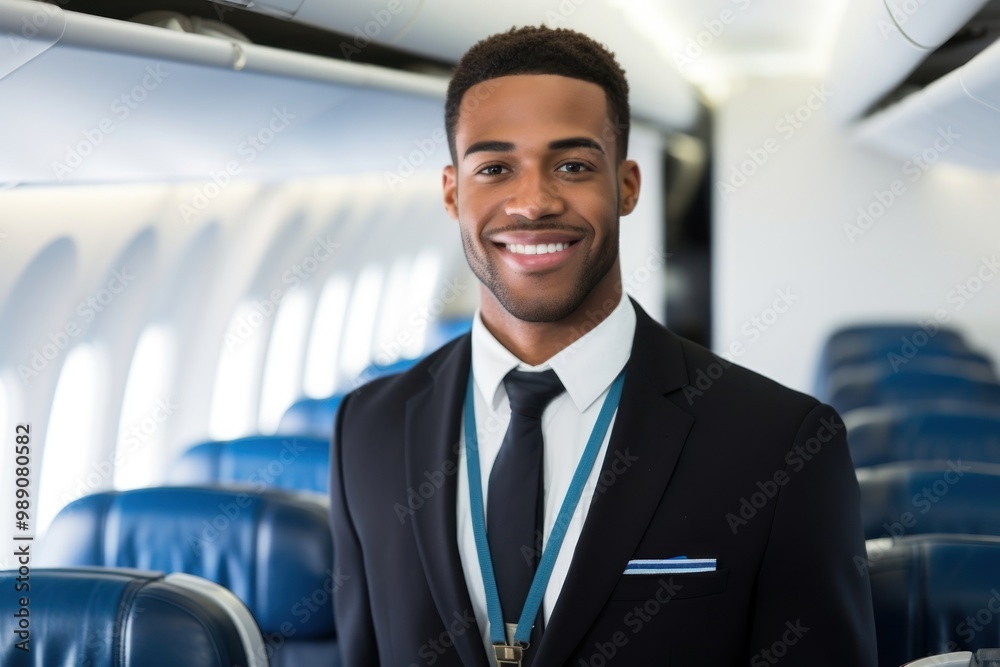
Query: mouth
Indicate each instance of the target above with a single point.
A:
(535, 252)
(535, 248)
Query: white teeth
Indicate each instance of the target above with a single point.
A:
(540, 249)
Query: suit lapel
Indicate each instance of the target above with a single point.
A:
(433, 418)
(649, 431)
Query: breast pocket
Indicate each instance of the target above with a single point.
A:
(663, 587)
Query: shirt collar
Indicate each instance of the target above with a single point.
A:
(587, 367)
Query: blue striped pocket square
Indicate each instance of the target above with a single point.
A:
(675, 565)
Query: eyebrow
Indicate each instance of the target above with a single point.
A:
(557, 145)
(576, 142)
(489, 147)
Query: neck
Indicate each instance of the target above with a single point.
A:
(537, 342)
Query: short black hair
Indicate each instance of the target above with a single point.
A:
(541, 50)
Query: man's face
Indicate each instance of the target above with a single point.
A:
(537, 190)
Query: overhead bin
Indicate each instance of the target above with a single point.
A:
(882, 41)
(94, 100)
(445, 30)
(888, 51)
(954, 119)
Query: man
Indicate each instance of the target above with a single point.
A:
(719, 523)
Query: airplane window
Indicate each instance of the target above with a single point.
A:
(324, 340)
(283, 365)
(236, 378)
(425, 307)
(145, 407)
(69, 469)
(393, 315)
(360, 321)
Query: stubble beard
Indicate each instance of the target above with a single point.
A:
(536, 309)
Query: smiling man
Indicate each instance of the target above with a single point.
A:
(544, 491)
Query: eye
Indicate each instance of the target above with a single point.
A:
(492, 170)
(573, 167)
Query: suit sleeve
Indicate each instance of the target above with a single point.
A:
(813, 601)
(351, 604)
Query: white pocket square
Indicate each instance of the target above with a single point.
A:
(675, 565)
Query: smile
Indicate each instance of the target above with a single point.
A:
(537, 256)
(536, 249)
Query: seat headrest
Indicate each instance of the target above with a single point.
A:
(903, 433)
(311, 417)
(285, 462)
(272, 548)
(914, 388)
(126, 618)
(920, 497)
(851, 341)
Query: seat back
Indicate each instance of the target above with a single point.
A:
(272, 548)
(926, 432)
(382, 370)
(310, 417)
(972, 366)
(914, 388)
(872, 342)
(314, 416)
(127, 618)
(444, 330)
(920, 497)
(934, 594)
(286, 462)
(853, 339)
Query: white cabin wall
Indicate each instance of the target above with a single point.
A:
(643, 254)
(788, 228)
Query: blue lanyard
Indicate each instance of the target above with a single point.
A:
(548, 561)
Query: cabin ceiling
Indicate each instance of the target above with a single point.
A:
(755, 37)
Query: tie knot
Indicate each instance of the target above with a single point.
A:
(529, 392)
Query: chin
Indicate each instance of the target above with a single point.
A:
(536, 309)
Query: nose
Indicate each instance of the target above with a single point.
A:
(535, 196)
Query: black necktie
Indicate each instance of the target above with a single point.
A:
(515, 496)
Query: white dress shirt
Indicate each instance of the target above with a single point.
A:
(586, 368)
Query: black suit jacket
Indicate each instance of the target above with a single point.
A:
(706, 459)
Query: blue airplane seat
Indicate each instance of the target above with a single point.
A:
(310, 417)
(445, 330)
(867, 342)
(940, 431)
(298, 463)
(872, 335)
(124, 618)
(920, 497)
(972, 365)
(381, 370)
(890, 358)
(914, 389)
(934, 594)
(314, 417)
(270, 547)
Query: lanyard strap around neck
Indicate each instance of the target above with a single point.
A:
(535, 594)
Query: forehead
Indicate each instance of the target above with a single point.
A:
(533, 106)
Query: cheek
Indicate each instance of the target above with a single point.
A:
(600, 212)
(475, 211)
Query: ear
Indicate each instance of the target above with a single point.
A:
(629, 180)
(449, 183)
